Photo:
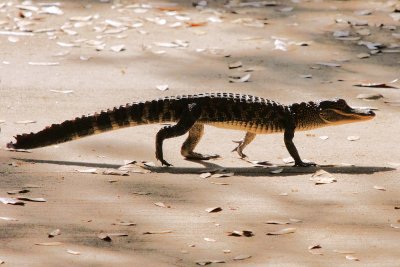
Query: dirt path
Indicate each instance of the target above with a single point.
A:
(294, 51)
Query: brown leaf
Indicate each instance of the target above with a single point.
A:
(11, 201)
(196, 24)
(214, 209)
(54, 233)
(241, 257)
(246, 233)
(369, 96)
(48, 244)
(33, 199)
(283, 231)
(157, 232)
(104, 236)
(18, 191)
(162, 205)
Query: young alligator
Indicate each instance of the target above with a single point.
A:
(255, 115)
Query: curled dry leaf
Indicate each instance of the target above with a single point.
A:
(353, 138)
(214, 209)
(73, 252)
(209, 239)
(54, 233)
(162, 205)
(283, 231)
(105, 237)
(33, 199)
(246, 233)
(242, 79)
(162, 87)
(62, 91)
(277, 222)
(116, 172)
(322, 177)
(241, 257)
(381, 188)
(323, 137)
(352, 258)
(288, 160)
(375, 85)
(276, 171)
(18, 191)
(91, 170)
(48, 244)
(329, 64)
(125, 223)
(118, 48)
(236, 64)
(395, 226)
(205, 175)
(11, 201)
(157, 232)
(369, 96)
(314, 246)
(203, 262)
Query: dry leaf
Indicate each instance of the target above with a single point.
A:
(8, 219)
(217, 183)
(226, 251)
(369, 96)
(375, 85)
(118, 48)
(62, 91)
(322, 177)
(222, 175)
(329, 64)
(49, 244)
(352, 258)
(306, 76)
(44, 63)
(246, 233)
(53, 10)
(395, 226)
(242, 79)
(363, 55)
(277, 222)
(276, 171)
(104, 236)
(343, 251)
(162, 87)
(214, 209)
(241, 257)
(33, 199)
(203, 262)
(157, 232)
(125, 223)
(381, 188)
(11, 201)
(91, 170)
(323, 137)
(338, 34)
(288, 160)
(283, 231)
(116, 172)
(162, 205)
(54, 233)
(73, 252)
(209, 239)
(314, 246)
(353, 138)
(25, 122)
(18, 191)
(205, 175)
(234, 65)
(196, 24)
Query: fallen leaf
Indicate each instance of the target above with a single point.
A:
(280, 45)
(105, 237)
(353, 138)
(203, 262)
(141, 193)
(369, 96)
(352, 258)
(241, 257)
(49, 244)
(322, 177)
(25, 122)
(288, 160)
(306, 76)
(53, 10)
(8, 219)
(18, 191)
(314, 246)
(329, 64)
(236, 64)
(73, 252)
(323, 137)
(341, 34)
(343, 251)
(381, 188)
(116, 172)
(226, 251)
(54, 233)
(222, 175)
(118, 48)
(246, 233)
(33, 199)
(217, 183)
(62, 91)
(205, 175)
(277, 222)
(395, 226)
(397, 207)
(92, 171)
(242, 79)
(375, 85)
(363, 55)
(44, 63)
(157, 232)
(283, 231)
(11, 201)
(276, 171)
(196, 24)
(209, 239)
(162, 87)
(125, 223)
(214, 209)
(162, 205)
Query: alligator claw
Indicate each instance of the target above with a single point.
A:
(165, 163)
(238, 149)
(198, 156)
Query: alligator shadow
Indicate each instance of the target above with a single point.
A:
(281, 170)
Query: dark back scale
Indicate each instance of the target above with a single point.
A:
(226, 110)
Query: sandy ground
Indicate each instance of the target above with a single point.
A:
(348, 217)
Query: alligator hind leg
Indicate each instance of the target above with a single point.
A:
(248, 138)
(195, 134)
(188, 118)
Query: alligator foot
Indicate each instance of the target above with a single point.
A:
(239, 149)
(165, 163)
(198, 156)
(304, 164)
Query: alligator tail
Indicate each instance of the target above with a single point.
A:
(156, 111)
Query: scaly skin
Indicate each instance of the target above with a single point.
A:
(254, 115)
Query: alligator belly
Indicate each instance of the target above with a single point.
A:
(244, 126)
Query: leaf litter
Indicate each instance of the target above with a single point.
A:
(54, 233)
(11, 201)
(283, 231)
(322, 177)
(214, 209)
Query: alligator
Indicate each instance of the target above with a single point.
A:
(252, 114)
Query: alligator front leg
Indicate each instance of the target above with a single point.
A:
(195, 134)
(288, 137)
(188, 118)
(248, 138)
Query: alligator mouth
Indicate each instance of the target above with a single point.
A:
(358, 114)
